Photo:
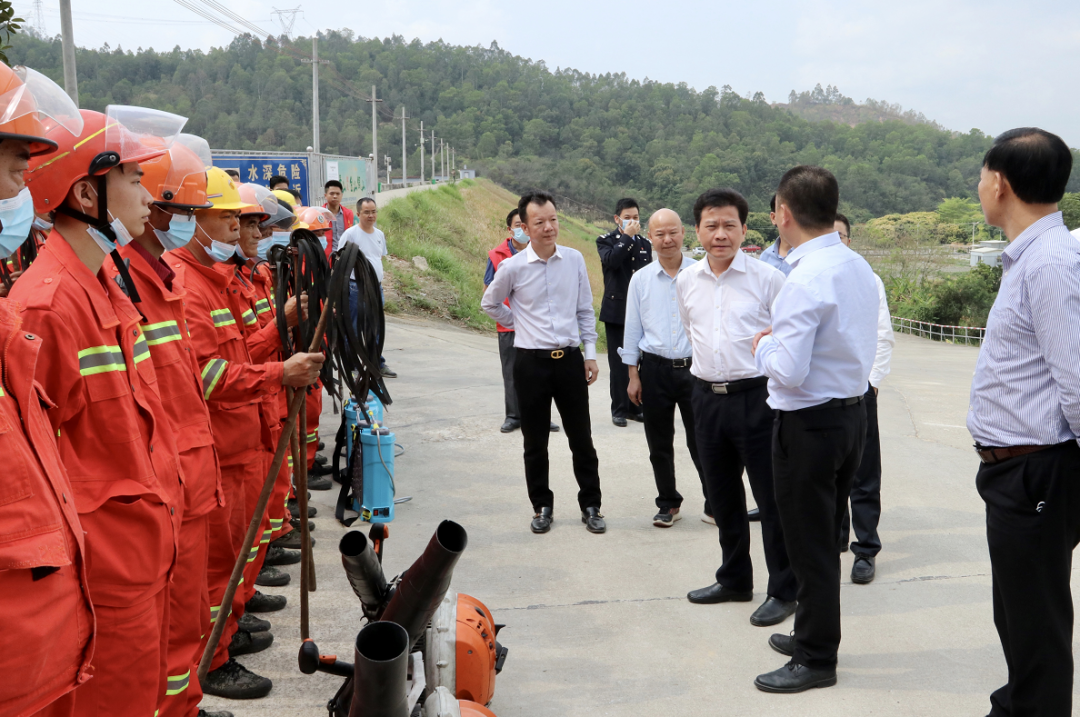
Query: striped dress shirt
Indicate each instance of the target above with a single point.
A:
(1026, 389)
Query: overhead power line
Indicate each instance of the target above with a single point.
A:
(201, 12)
(235, 18)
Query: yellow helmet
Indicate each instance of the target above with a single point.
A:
(286, 197)
(222, 192)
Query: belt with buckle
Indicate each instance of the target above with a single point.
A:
(834, 403)
(551, 353)
(673, 363)
(992, 454)
(733, 386)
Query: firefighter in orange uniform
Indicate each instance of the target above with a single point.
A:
(114, 436)
(177, 183)
(47, 615)
(233, 386)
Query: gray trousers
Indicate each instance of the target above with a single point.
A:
(506, 354)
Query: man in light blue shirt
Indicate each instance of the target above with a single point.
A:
(772, 255)
(657, 353)
(818, 354)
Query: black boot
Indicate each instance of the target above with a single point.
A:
(261, 602)
(271, 577)
(248, 643)
(250, 623)
(277, 555)
(235, 682)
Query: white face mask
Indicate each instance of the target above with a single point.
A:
(123, 236)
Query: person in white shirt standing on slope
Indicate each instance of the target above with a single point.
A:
(373, 243)
(818, 354)
(866, 491)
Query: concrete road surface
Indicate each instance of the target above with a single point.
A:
(599, 625)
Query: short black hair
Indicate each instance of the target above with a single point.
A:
(333, 183)
(812, 194)
(624, 204)
(233, 173)
(841, 218)
(772, 203)
(295, 193)
(538, 198)
(361, 200)
(278, 179)
(510, 217)
(1036, 163)
(719, 198)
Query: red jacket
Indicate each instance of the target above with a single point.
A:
(114, 436)
(48, 618)
(179, 382)
(496, 256)
(232, 383)
(349, 220)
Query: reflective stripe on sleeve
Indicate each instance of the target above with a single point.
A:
(142, 350)
(222, 317)
(100, 359)
(262, 306)
(249, 317)
(211, 374)
(161, 333)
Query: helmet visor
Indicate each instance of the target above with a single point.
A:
(198, 145)
(138, 134)
(36, 107)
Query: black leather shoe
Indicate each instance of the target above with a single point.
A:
(541, 522)
(510, 425)
(317, 469)
(294, 508)
(250, 623)
(321, 460)
(291, 541)
(277, 555)
(795, 678)
(248, 643)
(772, 612)
(639, 417)
(220, 713)
(554, 427)
(862, 572)
(320, 482)
(295, 523)
(322, 446)
(784, 644)
(594, 522)
(753, 515)
(716, 593)
(261, 602)
(235, 682)
(271, 577)
(619, 421)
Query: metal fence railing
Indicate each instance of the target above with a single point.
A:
(964, 335)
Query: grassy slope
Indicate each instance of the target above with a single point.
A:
(453, 227)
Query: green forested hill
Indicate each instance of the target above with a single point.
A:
(586, 137)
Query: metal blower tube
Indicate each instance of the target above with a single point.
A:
(363, 569)
(424, 584)
(382, 665)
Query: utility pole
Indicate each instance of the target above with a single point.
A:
(388, 170)
(421, 151)
(71, 81)
(374, 131)
(404, 166)
(432, 156)
(315, 62)
(442, 157)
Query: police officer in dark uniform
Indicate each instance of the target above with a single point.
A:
(622, 252)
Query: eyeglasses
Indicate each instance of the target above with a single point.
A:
(842, 235)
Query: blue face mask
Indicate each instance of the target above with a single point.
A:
(218, 251)
(322, 240)
(180, 232)
(17, 216)
(520, 236)
(275, 239)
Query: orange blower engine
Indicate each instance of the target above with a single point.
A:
(461, 652)
(441, 703)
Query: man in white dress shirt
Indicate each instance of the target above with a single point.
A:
(724, 300)
(551, 311)
(818, 355)
(866, 490)
(657, 355)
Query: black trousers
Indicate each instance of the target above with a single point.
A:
(540, 379)
(1032, 527)
(662, 389)
(866, 490)
(815, 455)
(619, 374)
(734, 432)
(506, 356)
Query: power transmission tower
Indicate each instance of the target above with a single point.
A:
(287, 18)
(404, 170)
(421, 151)
(315, 62)
(39, 18)
(374, 130)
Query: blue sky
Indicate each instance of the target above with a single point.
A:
(987, 64)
